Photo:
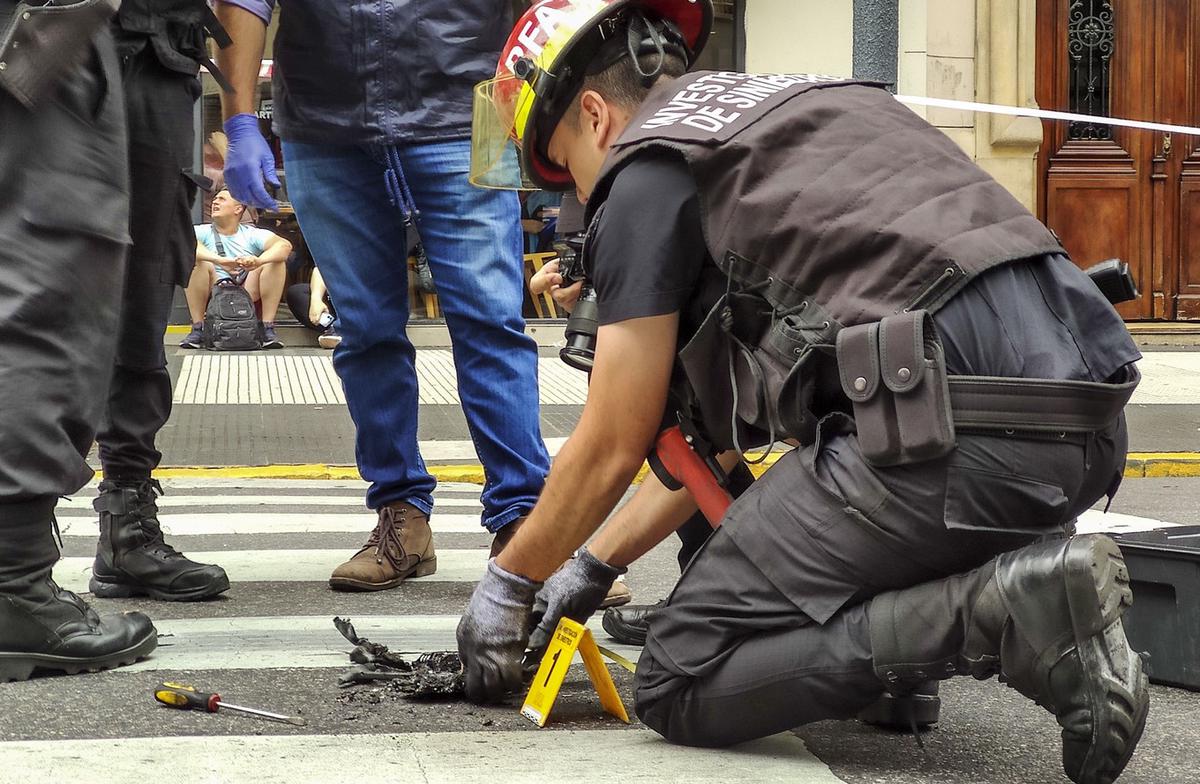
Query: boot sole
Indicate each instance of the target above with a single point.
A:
(1098, 593)
(21, 666)
(422, 569)
(111, 588)
(903, 712)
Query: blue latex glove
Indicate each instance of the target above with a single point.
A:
(248, 162)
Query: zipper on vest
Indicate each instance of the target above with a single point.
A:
(950, 275)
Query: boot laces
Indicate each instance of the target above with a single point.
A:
(144, 514)
(386, 537)
(72, 598)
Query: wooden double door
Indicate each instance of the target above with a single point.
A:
(1117, 192)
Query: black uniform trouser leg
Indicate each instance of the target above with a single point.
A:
(767, 628)
(63, 242)
(28, 550)
(159, 103)
(139, 398)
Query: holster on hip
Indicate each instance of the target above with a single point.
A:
(39, 44)
(894, 372)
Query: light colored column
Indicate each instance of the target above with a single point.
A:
(1007, 147)
(913, 69)
(950, 66)
(800, 36)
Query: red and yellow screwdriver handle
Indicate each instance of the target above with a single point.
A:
(184, 697)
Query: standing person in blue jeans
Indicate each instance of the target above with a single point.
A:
(373, 103)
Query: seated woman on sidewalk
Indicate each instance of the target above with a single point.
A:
(227, 249)
(312, 306)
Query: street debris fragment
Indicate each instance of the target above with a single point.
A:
(433, 675)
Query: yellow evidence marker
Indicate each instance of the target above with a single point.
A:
(568, 638)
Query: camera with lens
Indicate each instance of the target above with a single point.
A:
(580, 351)
(570, 258)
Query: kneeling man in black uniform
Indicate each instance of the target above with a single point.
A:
(801, 258)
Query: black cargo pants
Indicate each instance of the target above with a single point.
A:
(159, 104)
(64, 217)
(767, 628)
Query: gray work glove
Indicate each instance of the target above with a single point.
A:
(574, 591)
(493, 632)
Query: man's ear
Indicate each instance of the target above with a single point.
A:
(595, 115)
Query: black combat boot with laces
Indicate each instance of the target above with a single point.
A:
(132, 559)
(44, 628)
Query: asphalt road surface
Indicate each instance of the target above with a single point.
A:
(270, 643)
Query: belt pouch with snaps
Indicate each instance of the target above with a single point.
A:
(894, 372)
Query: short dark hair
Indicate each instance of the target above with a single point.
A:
(225, 189)
(622, 84)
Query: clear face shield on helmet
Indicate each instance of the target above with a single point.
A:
(495, 159)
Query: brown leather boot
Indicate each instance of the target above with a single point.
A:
(401, 546)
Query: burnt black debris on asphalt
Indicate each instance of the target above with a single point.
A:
(434, 675)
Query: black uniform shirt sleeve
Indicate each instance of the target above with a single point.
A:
(647, 252)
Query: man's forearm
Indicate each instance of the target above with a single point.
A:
(653, 514)
(241, 60)
(600, 459)
(204, 254)
(586, 482)
(276, 253)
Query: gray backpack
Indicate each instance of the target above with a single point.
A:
(230, 323)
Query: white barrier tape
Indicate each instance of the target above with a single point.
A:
(1045, 114)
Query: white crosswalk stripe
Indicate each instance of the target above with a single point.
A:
(167, 502)
(353, 521)
(1094, 521)
(635, 756)
(288, 566)
(297, 641)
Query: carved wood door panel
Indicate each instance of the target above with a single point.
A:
(1115, 191)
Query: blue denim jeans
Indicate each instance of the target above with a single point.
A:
(357, 236)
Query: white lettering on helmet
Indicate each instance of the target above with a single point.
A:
(533, 35)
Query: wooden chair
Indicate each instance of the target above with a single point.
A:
(431, 300)
(534, 263)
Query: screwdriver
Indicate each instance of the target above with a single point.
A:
(183, 697)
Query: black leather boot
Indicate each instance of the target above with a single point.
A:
(1047, 619)
(628, 625)
(44, 628)
(133, 560)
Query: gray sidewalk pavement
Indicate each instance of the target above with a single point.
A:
(287, 407)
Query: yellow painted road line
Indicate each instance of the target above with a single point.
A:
(1139, 464)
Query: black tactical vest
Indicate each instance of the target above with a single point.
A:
(827, 204)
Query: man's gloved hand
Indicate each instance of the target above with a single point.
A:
(248, 161)
(493, 632)
(575, 591)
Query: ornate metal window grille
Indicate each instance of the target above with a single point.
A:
(1091, 39)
